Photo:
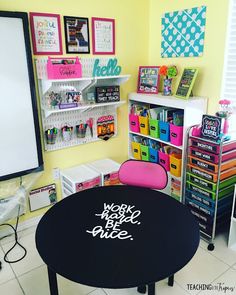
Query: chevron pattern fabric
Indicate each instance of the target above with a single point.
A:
(183, 32)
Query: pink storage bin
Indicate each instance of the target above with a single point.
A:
(134, 123)
(176, 134)
(164, 160)
(64, 71)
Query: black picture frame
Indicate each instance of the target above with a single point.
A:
(76, 41)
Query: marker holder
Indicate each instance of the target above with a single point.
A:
(51, 135)
(81, 130)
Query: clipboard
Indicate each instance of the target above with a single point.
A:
(186, 83)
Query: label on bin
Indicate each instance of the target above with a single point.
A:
(153, 128)
(173, 134)
(201, 182)
(203, 165)
(204, 146)
(163, 131)
(142, 125)
(201, 173)
(204, 156)
(173, 166)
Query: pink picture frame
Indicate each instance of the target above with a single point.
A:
(148, 79)
(103, 36)
(46, 33)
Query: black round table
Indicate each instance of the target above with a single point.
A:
(116, 237)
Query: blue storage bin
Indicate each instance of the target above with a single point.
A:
(153, 155)
(164, 128)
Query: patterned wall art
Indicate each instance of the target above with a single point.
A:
(183, 32)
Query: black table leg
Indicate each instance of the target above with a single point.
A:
(142, 289)
(52, 277)
(151, 289)
(171, 281)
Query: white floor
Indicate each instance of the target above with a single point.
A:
(29, 276)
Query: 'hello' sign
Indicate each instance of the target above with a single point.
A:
(111, 69)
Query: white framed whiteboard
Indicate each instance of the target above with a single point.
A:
(20, 144)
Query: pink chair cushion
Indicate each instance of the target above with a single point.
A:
(145, 174)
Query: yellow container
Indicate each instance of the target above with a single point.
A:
(175, 164)
(136, 150)
(144, 125)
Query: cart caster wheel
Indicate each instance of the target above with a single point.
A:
(211, 247)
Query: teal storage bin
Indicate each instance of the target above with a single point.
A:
(164, 128)
(153, 155)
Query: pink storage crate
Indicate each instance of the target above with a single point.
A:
(176, 134)
(134, 123)
(164, 160)
(64, 70)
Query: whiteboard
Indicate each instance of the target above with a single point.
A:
(20, 146)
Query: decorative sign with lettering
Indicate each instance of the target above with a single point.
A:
(186, 83)
(114, 216)
(46, 33)
(111, 69)
(42, 197)
(211, 127)
(148, 79)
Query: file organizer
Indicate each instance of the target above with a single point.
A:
(210, 176)
(78, 178)
(108, 171)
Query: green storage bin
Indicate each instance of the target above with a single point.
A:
(154, 128)
(145, 154)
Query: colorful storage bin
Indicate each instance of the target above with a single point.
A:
(136, 150)
(143, 125)
(134, 123)
(176, 134)
(145, 153)
(175, 164)
(153, 155)
(154, 128)
(164, 160)
(164, 128)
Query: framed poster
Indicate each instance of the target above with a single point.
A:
(211, 127)
(76, 34)
(42, 197)
(103, 35)
(148, 79)
(186, 83)
(46, 33)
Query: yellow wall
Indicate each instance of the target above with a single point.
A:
(210, 64)
(131, 51)
(138, 38)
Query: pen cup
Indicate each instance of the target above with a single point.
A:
(51, 135)
(67, 133)
(81, 130)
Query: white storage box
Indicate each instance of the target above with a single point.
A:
(108, 170)
(78, 178)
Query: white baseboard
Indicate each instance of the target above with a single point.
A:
(5, 231)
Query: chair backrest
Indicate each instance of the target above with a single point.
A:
(144, 174)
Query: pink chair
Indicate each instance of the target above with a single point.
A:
(142, 173)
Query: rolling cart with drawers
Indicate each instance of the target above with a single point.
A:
(210, 176)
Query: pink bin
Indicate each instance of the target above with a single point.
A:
(134, 123)
(64, 71)
(164, 160)
(176, 134)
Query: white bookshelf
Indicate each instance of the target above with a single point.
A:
(193, 109)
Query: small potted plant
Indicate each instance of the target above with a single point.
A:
(168, 72)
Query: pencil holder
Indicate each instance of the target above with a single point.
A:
(67, 132)
(136, 150)
(81, 130)
(51, 135)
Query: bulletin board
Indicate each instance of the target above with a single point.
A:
(20, 146)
